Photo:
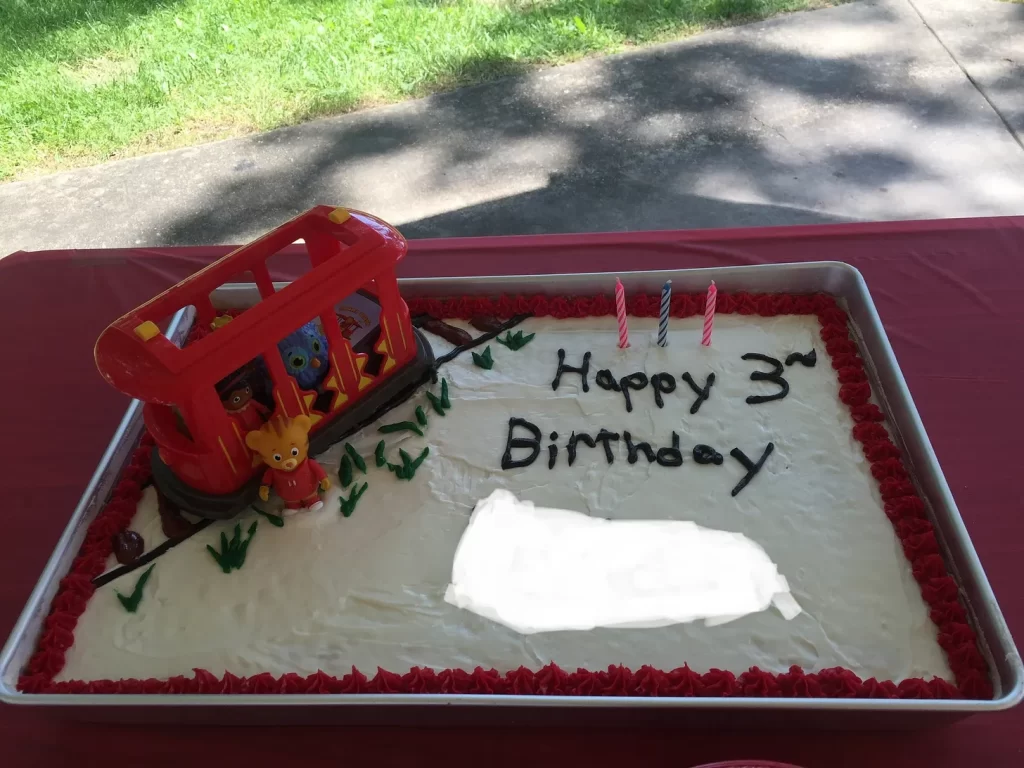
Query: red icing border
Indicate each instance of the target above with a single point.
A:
(902, 505)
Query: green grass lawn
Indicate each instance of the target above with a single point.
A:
(82, 81)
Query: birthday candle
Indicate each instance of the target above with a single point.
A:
(620, 310)
(666, 301)
(709, 314)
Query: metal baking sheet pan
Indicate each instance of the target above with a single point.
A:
(842, 281)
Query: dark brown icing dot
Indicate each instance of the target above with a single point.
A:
(449, 333)
(486, 324)
(128, 547)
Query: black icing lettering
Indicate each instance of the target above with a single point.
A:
(702, 392)
(751, 467)
(533, 443)
(773, 376)
(605, 437)
(563, 368)
(633, 450)
(808, 361)
(705, 454)
(662, 383)
(582, 437)
(552, 455)
(671, 457)
(605, 380)
(635, 381)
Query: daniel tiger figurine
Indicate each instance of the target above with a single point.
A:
(283, 444)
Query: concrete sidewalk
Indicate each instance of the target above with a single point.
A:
(987, 41)
(881, 109)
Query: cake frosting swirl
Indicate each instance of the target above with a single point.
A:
(328, 592)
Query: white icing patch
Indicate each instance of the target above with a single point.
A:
(543, 570)
(328, 592)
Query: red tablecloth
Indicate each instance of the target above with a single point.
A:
(951, 295)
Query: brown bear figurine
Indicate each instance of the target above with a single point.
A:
(283, 444)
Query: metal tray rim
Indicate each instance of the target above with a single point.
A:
(507, 700)
(728, 271)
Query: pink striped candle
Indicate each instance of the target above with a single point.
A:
(709, 314)
(620, 311)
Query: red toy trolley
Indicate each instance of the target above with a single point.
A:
(202, 463)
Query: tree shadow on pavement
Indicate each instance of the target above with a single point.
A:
(718, 131)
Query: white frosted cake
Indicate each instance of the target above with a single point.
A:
(325, 592)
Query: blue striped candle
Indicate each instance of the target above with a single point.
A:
(666, 301)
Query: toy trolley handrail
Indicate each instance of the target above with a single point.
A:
(134, 357)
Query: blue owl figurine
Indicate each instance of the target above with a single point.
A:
(304, 352)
